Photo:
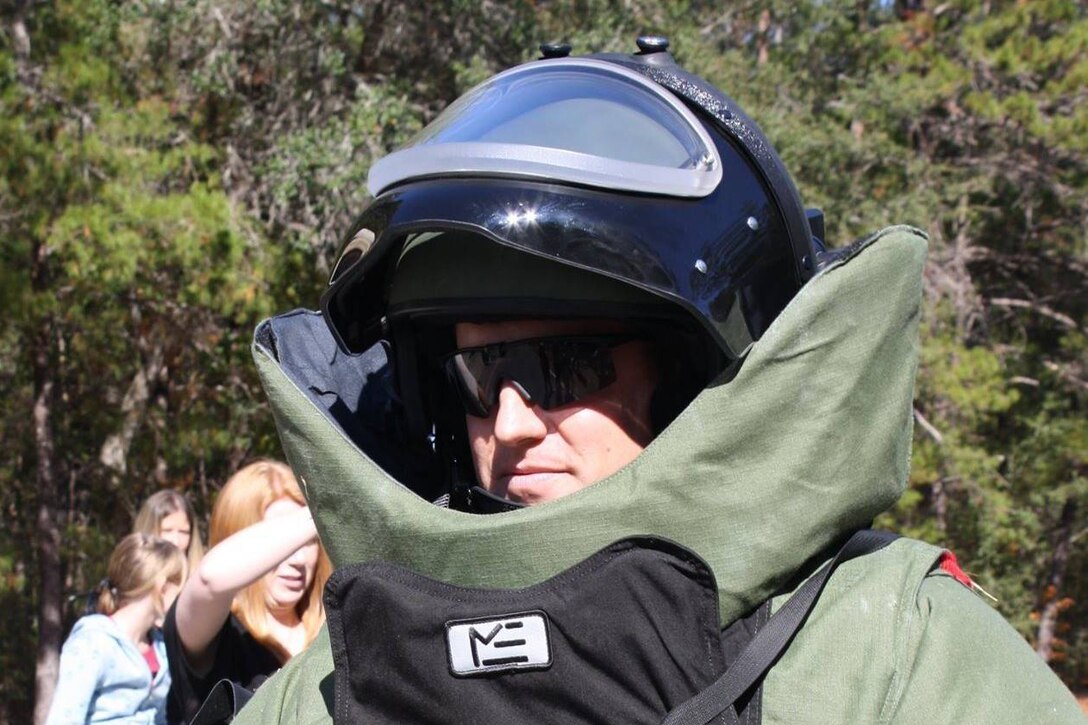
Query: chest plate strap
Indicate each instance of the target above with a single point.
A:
(772, 640)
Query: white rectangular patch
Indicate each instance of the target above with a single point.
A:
(495, 644)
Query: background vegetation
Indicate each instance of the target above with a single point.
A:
(171, 171)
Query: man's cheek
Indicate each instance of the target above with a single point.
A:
(629, 416)
(482, 454)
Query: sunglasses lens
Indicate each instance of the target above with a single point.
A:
(568, 372)
(465, 372)
(553, 372)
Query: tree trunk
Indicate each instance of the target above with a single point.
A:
(373, 38)
(47, 530)
(907, 9)
(1050, 599)
(938, 495)
(862, 8)
(47, 537)
(763, 40)
(114, 452)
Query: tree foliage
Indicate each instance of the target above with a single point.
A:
(174, 170)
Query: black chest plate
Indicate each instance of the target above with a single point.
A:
(623, 637)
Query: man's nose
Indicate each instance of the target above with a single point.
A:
(516, 419)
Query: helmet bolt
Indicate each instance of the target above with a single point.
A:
(753, 223)
(555, 50)
(648, 44)
(700, 265)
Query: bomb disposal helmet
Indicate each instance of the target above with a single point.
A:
(609, 185)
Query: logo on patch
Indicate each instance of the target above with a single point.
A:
(498, 644)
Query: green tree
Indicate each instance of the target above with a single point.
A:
(134, 283)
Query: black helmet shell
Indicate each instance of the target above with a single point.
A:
(729, 255)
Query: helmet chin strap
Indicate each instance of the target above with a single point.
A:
(476, 500)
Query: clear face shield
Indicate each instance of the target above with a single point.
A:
(578, 121)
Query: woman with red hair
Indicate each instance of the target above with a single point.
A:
(255, 599)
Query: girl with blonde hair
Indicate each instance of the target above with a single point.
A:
(113, 664)
(169, 515)
(255, 599)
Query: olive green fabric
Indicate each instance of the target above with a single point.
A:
(891, 640)
(810, 440)
(813, 433)
(895, 640)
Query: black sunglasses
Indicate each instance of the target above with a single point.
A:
(550, 371)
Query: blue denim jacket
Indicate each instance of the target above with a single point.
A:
(105, 679)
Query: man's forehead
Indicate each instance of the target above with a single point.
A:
(475, 334)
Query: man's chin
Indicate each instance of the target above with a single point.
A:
(534, 488)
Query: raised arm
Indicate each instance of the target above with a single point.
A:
(231, 565)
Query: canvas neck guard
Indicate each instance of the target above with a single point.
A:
(809, 441)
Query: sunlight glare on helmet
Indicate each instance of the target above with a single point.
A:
(516, 218)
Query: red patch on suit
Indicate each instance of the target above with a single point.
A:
(948, 563)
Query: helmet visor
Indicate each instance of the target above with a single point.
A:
(579, 121)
